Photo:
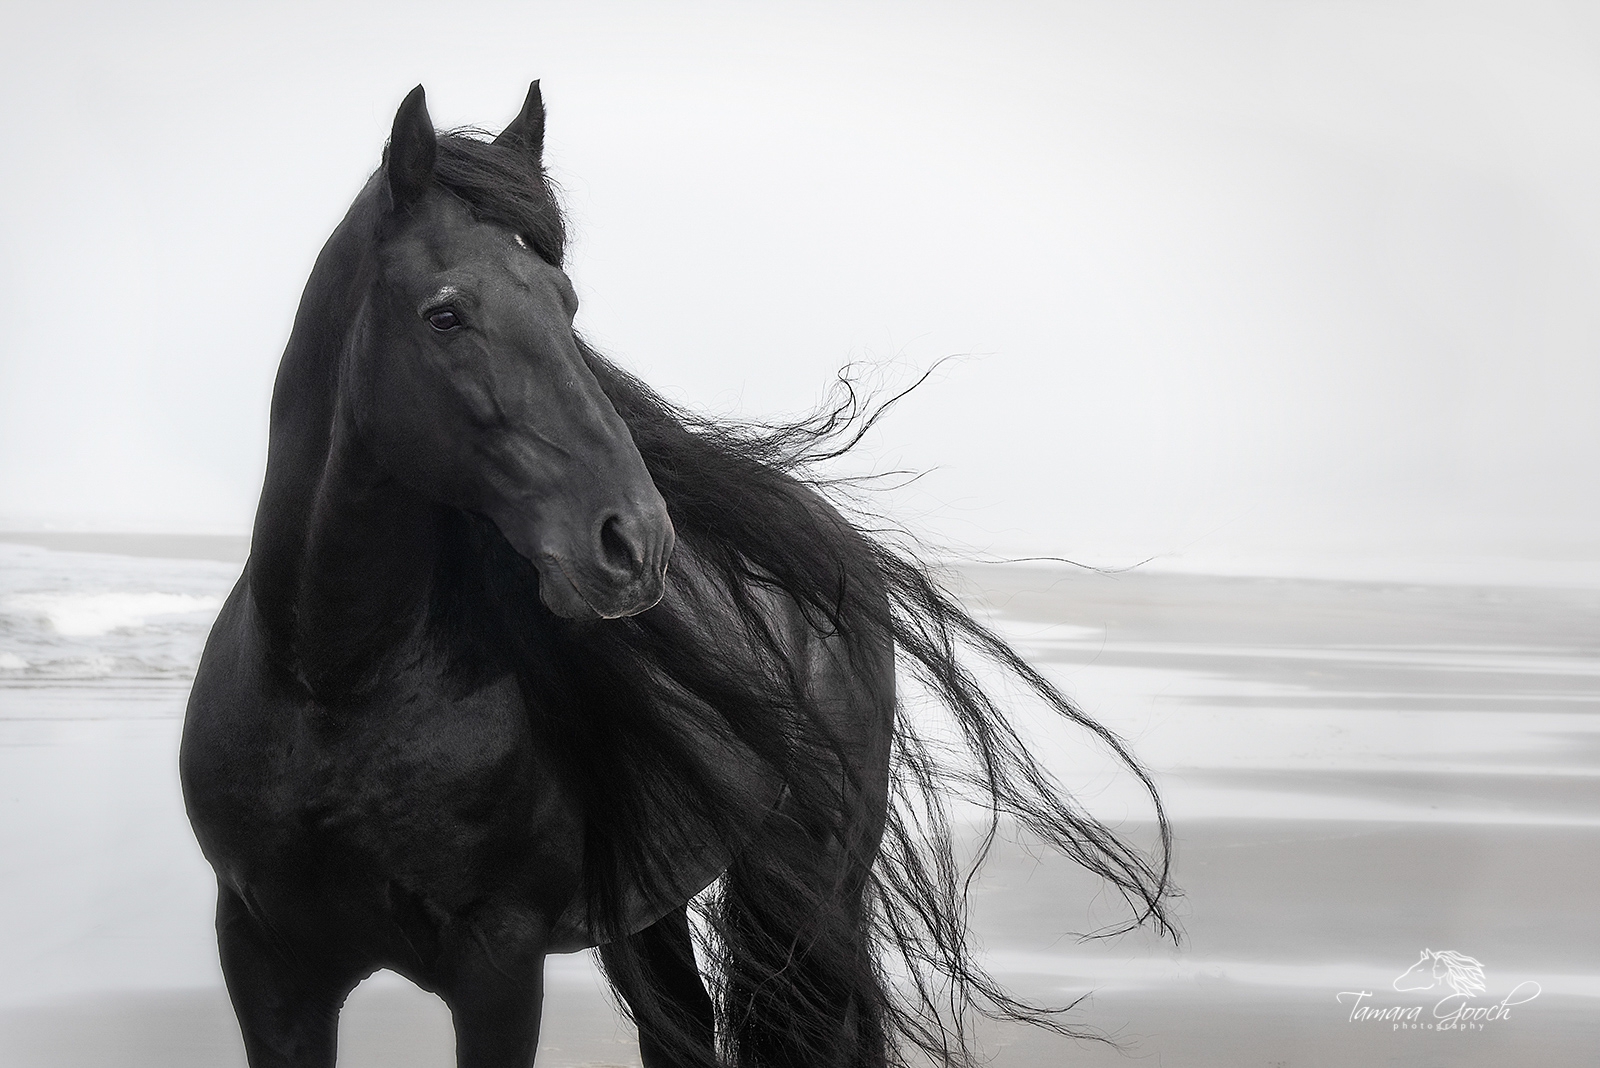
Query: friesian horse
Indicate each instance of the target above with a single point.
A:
(526, 660)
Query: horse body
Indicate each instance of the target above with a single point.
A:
(435, 789)
(459, 714)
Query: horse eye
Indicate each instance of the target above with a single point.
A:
(444, 319)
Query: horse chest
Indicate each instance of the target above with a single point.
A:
(444, 794)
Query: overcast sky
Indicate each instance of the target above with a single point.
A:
(1236, 277)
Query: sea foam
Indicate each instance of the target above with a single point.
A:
(85, 614)
(71, 617)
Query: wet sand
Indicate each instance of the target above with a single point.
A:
(1354, 772)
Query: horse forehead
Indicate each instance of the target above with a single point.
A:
(444, 243)
(475, 261)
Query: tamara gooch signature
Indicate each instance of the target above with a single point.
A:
(1459, 978)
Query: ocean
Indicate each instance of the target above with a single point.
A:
(1361, 776)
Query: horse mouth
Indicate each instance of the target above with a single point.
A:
(617, 569)
(566, 595)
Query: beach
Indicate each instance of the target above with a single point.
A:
(1354, 773)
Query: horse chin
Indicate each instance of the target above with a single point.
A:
(563, 597)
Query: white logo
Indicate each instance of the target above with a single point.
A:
(1460, 972)
(1459, 977)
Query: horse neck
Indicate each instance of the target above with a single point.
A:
(341, 552)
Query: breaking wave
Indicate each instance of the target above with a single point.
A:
(71, 617)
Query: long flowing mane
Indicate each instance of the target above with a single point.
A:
(1464, 974)
(750, 509)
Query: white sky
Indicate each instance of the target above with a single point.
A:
(1246, 278)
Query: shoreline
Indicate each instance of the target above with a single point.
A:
(1443, 571)
(223, 548)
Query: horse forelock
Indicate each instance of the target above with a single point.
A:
(504, 187)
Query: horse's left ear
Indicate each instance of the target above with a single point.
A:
(408, 159)
(525, 133)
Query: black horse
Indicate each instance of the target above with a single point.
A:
(460, 713)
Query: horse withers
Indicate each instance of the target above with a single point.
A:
(525, 660)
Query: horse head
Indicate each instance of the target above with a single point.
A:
(1420, 976)
(468, 384)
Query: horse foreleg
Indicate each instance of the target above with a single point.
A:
(656, 974)
(492, 978)
(287, 1006)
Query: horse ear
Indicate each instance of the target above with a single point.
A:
(408, 159)
(525, 133)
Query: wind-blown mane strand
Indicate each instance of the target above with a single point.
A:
(758, 469)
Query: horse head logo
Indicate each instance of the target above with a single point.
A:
(1461, 973)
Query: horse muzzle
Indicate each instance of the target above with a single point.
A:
(622, 573)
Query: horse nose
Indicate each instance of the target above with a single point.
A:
(620, 549)
(634, 545)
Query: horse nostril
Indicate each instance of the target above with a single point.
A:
(618, 552)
